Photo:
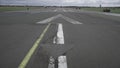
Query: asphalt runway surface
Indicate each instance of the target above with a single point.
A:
(93, 44)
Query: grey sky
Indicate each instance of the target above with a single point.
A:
(63, 2)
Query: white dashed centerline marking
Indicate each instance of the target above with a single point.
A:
(51, 62)
(62, 62)
(60, 35)
(59, 39)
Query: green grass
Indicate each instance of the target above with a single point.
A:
(113, 10)
(12, 8)
(92, 9)
(3, 9)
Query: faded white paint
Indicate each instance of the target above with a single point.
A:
(58, 16)
(62, 62)
(51, 62)
(60, 35)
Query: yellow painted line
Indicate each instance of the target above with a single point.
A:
(31, 51)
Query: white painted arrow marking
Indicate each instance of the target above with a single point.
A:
(58, 16)
(64, 10)
(70, 20)
(48, 20)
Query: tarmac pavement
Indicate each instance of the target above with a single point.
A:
(93, 44)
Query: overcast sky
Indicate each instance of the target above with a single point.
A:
(62, 2)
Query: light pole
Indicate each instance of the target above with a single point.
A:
(100, 3)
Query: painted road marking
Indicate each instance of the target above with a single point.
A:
(51, 62)
(58, 16)
(60, 35)
(55, 10)
(47, 20)
(31, 51)
(71, 20)
(62, 62)
(64, 10)
(58, 40)
(55, 40)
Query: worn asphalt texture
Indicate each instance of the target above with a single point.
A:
(93, 44)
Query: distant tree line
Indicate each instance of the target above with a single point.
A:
(54, 6)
